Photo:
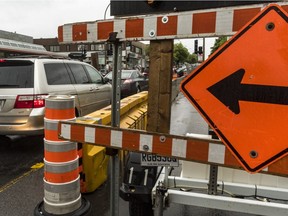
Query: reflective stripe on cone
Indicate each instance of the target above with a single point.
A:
(61, 172)
(62, 208)
(62, 193)
(59, 107)
(60, 151)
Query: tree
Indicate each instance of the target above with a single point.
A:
(218, 43)
(181, 53)
(192, 58)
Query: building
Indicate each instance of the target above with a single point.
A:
(100, 55)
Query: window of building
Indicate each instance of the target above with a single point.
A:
(97, 47)
(82, 47)
(54, 48)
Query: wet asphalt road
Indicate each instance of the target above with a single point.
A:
(21, 188)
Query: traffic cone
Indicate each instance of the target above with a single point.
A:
(61, 171)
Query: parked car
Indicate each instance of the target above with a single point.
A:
(26, 82)
(132, 82)
(103, 71)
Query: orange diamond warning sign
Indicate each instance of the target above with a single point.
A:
(242, 90)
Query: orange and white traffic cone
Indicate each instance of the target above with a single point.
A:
(61, 171)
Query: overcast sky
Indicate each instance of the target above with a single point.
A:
(41, 18)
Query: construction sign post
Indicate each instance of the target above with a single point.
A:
(241, 90)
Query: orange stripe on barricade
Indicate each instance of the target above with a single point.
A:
(230, 159)
(134, 28)
(162, 145)
(162, 25)
(204, 22)
(243, 16)
(103, 136)
(195, 150)
(77, 133)
(59, 114)
(186, 148)
(229, 19)
(131, 141)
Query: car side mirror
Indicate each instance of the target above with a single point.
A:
(145, 75)
(106, 80)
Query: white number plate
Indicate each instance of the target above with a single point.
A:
(154, 160)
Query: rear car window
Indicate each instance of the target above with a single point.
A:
(57, 74)
(16, 74)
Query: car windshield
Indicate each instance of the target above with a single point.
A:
(124, 74)
(16, 74)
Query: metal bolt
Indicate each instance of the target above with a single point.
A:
(162, 139)
(270, 26)
(152, 33)
(165, 19)
(145, 147)
(253, 154)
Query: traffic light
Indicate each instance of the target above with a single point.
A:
(109, 50)
(200, 50)
(196, 46)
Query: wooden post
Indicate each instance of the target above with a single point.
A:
(160, 86)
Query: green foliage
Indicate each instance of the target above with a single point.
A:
(181, 53)
(218, 43)
(147, 49)
(192, 58)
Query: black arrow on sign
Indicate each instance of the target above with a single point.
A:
(230, 91)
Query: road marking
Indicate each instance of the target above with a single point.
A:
(34, 168)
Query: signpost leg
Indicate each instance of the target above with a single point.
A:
(212, 186)
(115, 122)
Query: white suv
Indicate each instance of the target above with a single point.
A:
(26, 82)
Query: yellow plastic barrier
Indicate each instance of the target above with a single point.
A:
(133, 114)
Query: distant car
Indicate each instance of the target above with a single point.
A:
(26, 82)
(103, 72)
(132, 82)
(180, 72)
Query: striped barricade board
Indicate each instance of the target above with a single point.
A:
(209, 151)
(176, 25)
